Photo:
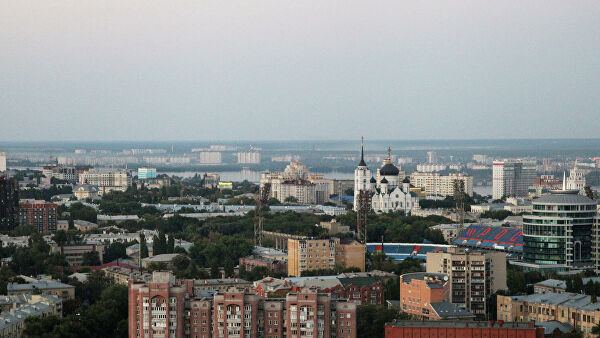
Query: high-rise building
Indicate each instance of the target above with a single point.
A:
(512, 178)
(41, 215)
(474, 275)
(558, 233)
(166, 307)
(2, 161)
(146, 173)
(156, 308)
(249, 157)
(432, 157)
(441, 185)
(9, 203)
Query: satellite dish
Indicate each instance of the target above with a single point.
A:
(445, 278)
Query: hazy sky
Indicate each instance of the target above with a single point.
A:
(275, 70)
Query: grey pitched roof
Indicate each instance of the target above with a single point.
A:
(568, 299)
(553, 283)
(552, 325)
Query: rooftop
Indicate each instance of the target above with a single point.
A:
(567, 299)
(449, 310)
(564, 197)
(461, 324)
(553, 283)
(434, 280)
(42, 285)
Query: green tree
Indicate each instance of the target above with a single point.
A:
(214, 270)
(91, 258)
(371, 319)
(171, 244)
(143, 246)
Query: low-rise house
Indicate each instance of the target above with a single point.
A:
(162, 258)
(102, 219)
(121, 274)
(84, 226)
(52, 287)
(550, 285)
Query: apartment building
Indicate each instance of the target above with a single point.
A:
(474, 275)
(249, 157)
(426, 295)
(166, 307)
(106, 180)
(512, 178)
(296, 181)
(156, 308)
(41, 215)
(74, 253)
(12, 321)
(436, 184)
(581, 311)
(310, 254)
(49, 287)
(324, 254)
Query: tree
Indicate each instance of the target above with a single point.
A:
(290, 199)
(171, 244)
(588, 192)
(228, 267)
(143, 246)
(214, 270)
(91, 258)
(371, 319)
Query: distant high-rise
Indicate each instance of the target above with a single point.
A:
(146, 173)
(432, 157)
(2, 161)
(248, 157)
(9, 203)
(512, 178)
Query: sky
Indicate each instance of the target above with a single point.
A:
(295, 70)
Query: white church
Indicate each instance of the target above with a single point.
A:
(389, 192)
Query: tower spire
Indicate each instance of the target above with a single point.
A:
(564, 180)
(362, 152)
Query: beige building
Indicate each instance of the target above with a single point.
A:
(296, 181)
(324, 254)
(350, 253)
(49, 287)
(436, 184)
(474, 275)
(106, 180)
(85, 191)
(577, 309)
(121, 275)
(74, 253)
(334, 227)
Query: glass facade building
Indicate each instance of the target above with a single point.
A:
(559, 230)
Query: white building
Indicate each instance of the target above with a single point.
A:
(209, 157)
(248, 157)
(441, 185)
(2, 161)
(512, 178)
(431, 167)
(390, 191)
(576, 180)
(296, 181)
(146, 173)
(432, 157)
(106, 180)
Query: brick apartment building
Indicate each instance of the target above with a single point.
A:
(164, 307)
(474, 275)
(462, 329)
(425, 295)
(272, 265)
(39, 214)
(358, 290)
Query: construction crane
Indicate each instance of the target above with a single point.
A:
(261, 201)
(364, 205)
